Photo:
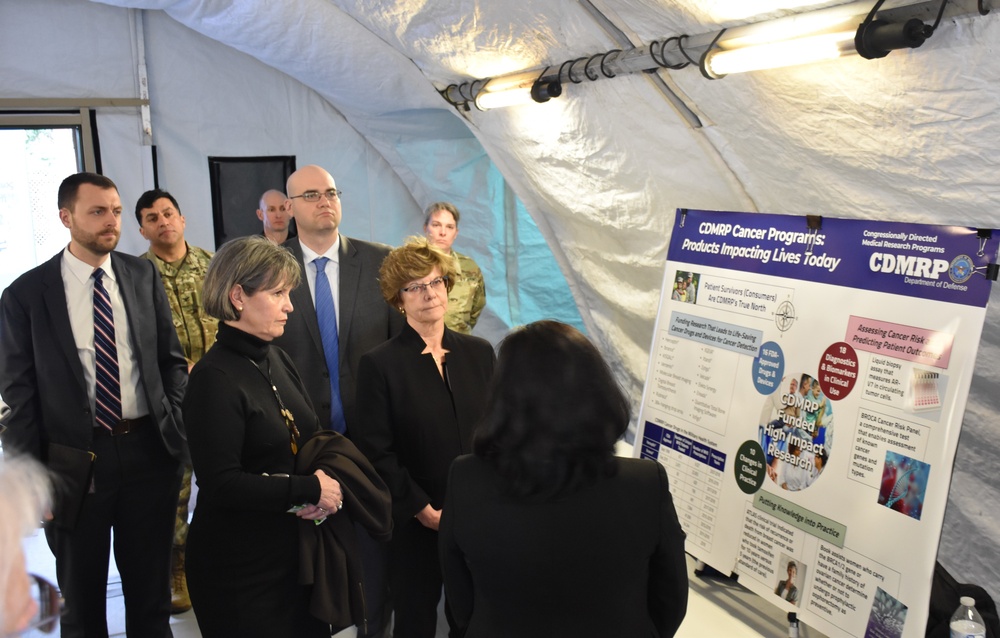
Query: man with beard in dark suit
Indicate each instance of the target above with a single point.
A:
(93, 372)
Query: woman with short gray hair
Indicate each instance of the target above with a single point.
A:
(246, 414)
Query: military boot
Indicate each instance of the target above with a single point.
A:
(180, 602)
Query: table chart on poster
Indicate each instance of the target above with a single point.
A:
(695, 474)
(694, 394)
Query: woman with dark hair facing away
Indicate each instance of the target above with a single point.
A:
(420, 395)
(545, 532)
(246, 415)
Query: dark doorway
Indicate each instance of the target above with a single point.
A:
(237, 184)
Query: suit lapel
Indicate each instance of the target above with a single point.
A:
(54, 295)
(302, 300)
(126, 287)
(350, 277)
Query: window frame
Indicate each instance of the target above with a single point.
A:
(81, 119)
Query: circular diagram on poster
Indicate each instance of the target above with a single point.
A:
(749, 467)
(768, 367)
(838, 371)
(795, 431)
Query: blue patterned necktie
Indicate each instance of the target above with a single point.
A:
(108, 392)
(326, 315)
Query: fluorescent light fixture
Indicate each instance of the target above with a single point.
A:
(792, 27)
(827, 46)
(523, 88)
(498, 99)
(514, 81)
(814, 36)
(875, 38)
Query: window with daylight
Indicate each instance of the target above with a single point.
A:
(37, 150)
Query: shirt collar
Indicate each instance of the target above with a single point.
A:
(333, 253)
(82, 270)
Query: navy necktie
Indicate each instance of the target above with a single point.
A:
(108, 392)
(326, 316)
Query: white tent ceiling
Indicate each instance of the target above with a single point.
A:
(913, 136)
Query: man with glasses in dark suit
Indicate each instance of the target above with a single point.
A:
(339, 316)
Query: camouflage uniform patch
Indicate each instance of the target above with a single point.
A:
(467, 297)
(196, 332)
(195, 328)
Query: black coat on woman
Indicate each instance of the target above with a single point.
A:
(243, 545)
(413, 422)
(606, 561)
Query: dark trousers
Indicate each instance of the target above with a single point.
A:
(135, 493)
(375, 565)
(416, 581)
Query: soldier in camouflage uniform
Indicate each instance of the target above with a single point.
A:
(468, 296)
(182, 268)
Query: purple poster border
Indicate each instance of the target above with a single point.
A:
(940, 263)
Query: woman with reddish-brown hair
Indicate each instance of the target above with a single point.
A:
(420, 395)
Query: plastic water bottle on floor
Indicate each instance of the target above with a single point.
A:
(966, 621)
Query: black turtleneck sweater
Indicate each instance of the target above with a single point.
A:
(242, 552)
(235, 429)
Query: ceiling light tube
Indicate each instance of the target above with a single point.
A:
(487, 100)
(790, 28)
(815, 48)
(523, 88)
(513, 81)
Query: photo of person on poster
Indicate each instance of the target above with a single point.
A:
(787, 587)
(819, 462)
(680, 289)
(685, 288)
(794, 430)
(794, 474)
(778, 408)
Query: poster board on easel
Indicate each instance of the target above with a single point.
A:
(805, 391)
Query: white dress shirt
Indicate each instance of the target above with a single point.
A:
(79, 287)
(332, 273)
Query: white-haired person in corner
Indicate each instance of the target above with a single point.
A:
(26, 601)
(468, 293)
